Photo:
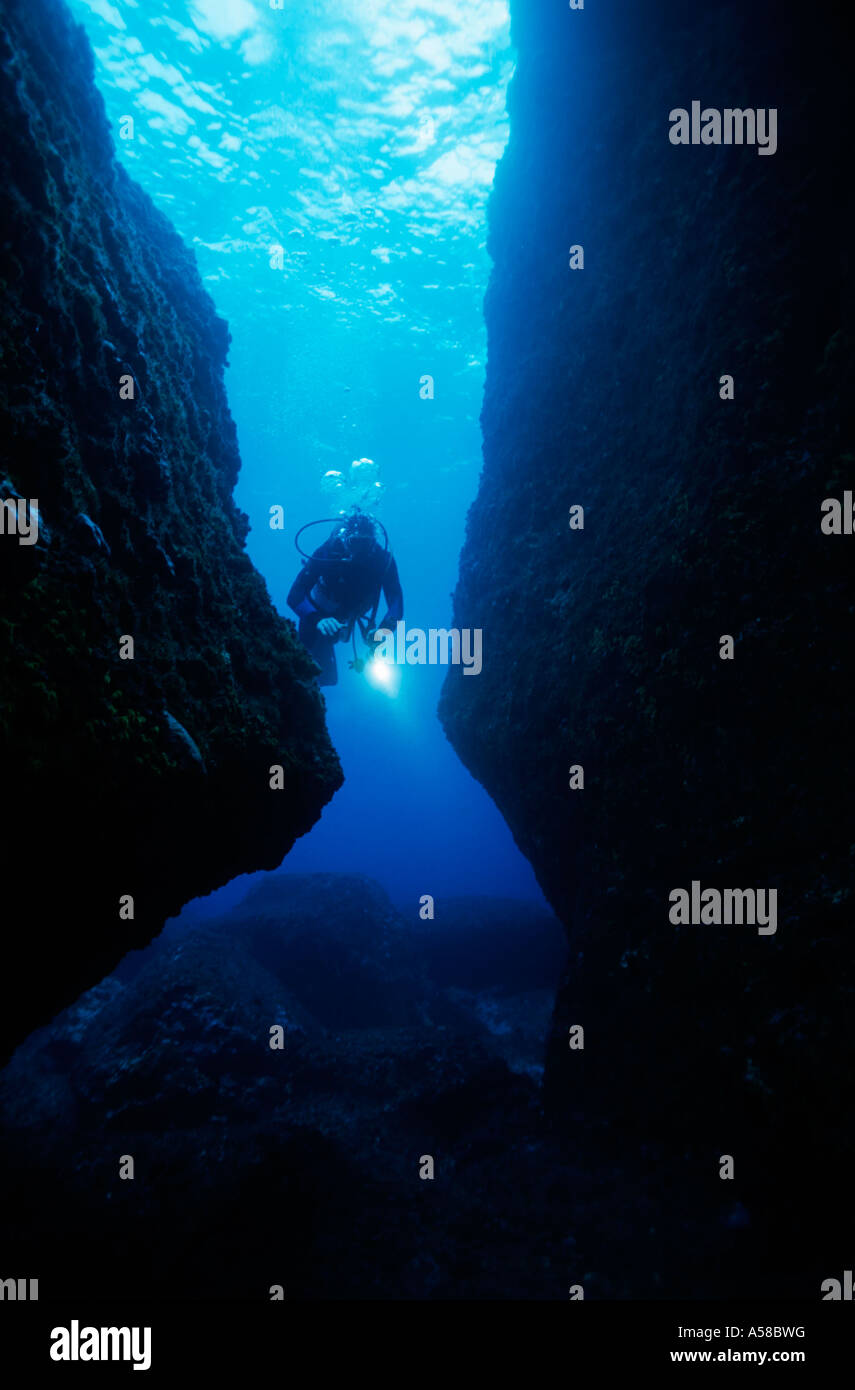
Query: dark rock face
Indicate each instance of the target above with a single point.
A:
(150, 776)
(702, 518)
(296, 1165)
(300, 1165)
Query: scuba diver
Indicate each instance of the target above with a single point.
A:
(338, 590)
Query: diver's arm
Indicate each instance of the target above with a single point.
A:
(393, 594)
(304, 583)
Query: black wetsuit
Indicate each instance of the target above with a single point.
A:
(345, 591)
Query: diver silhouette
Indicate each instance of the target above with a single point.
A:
(338, 590)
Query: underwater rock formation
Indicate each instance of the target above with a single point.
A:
(147, 777)
(295, 1159)
(302, 1163)
(702, 519)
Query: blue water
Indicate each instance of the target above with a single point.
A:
(330, 164)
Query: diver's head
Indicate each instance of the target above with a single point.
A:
(358, 535)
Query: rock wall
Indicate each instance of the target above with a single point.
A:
(701, 519)
(146, 776)
(295, 1159)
